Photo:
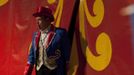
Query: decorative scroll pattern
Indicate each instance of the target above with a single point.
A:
(58, 12)
(103, 42)
(3, 2)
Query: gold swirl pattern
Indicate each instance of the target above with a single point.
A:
(51, 1)
(103, 42)
(98, 9)
(58, 12)
(3, 2)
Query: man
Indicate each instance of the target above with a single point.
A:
(50, 48)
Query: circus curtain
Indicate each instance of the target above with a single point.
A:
(101, 35)
(102, 42)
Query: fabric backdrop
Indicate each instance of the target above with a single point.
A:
(101, 37)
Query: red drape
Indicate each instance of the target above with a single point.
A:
(108, 36)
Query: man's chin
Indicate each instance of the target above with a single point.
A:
(41, 29)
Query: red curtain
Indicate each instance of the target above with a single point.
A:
(102, 41)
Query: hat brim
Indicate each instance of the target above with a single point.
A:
(37, 14)
(51, 17)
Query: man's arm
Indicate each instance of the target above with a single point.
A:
(30, 62)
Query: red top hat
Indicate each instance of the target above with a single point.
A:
(44, 12)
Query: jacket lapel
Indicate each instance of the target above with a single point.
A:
(37, 38)
(50, 36)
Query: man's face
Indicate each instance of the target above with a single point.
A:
(42, 23)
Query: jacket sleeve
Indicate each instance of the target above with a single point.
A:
(30, 62)
(28, 69)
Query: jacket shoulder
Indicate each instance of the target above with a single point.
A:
(61, 30)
